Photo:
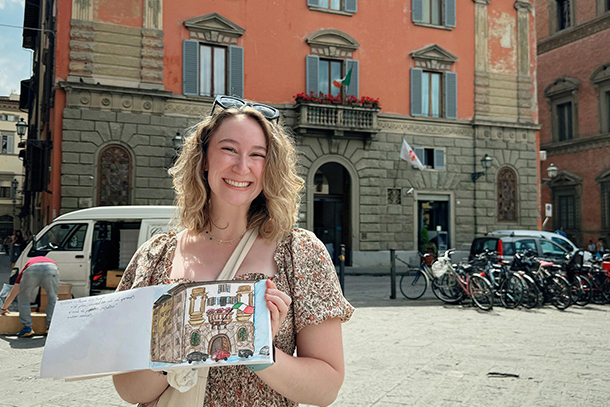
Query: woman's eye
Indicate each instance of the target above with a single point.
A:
(231, 149)
(258, 155)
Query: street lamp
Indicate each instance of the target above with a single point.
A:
(22, 126)
(177, 142)
(486, 164)
(14, 186)
(551, 171)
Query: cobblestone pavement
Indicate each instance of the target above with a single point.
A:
(408, 353)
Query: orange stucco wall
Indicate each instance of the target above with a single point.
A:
(275, 47)
(120, 12)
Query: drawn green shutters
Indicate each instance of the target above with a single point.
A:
(195, 338)
(451, 95)
(416, 92)
(190, 67)
(236, 71)
(439, 159)
(353, 88)
(351, 6)
(242, 334)
(417, 11)
(312, 65)
(450, 12)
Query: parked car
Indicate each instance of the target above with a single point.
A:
(220, 354)
(507, 246)
(196, 357)
(554, 237)
(264, 351)
(245, 353)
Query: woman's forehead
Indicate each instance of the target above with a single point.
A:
(242, 130)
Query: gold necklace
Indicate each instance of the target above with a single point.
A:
(207, 232)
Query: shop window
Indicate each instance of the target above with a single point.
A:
(507, 195)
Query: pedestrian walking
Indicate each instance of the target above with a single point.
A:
(39, 271)
(17, 243)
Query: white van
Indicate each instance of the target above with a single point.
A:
(92, 241)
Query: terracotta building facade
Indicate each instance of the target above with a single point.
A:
(574, 95)
(455, 79)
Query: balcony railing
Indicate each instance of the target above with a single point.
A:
(337, 118)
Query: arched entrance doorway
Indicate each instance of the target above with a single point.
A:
(332, 209)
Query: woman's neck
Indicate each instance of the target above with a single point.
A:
(227, 222)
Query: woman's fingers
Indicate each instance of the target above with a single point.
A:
(278, 303)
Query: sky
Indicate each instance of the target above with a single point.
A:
(15, 61)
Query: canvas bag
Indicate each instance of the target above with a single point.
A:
(196, 396)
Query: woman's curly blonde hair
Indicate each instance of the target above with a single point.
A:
(274, 211)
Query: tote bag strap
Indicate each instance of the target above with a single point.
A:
(239, 254)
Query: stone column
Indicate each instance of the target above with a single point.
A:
(524, 81)
(151, 72)
(82, 10)
(481, 74)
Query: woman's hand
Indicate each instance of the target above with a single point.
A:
(278, 303)
(5, 312)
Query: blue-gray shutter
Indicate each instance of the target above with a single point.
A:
(312, 65)
(439, 159)
(236, 71)
(190, 67)
(419, 152)
(353, 88)
(313, 3)
(416, 92)
(451, 95)
(351, 6)
(450, 13)
(417, 11)
(10, 144)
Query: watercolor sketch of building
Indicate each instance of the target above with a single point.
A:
(203, 322)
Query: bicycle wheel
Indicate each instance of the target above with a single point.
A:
(559, 292)
(585, 291)
(511, 291)
(447, 289)
(413, 286)
(481, 292)
(532, 297)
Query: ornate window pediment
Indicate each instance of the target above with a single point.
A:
(332, 43)
(561, 86)
(604, 176)
(601, 74)
(214, 28)
(433, 57)
(565, 179)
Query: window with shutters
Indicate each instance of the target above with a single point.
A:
(343, 7)
(601, 81)
(562, 96)
(431, 158)
(566, 209)
(434, 13)
(330, 72)
(213, 63)
(8, 144)
(114, 176)
(433, 85)
(507, 195)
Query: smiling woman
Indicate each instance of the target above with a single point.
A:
(236, 181)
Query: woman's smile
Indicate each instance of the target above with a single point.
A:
(237, 184)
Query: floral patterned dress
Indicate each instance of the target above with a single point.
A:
(305, 272)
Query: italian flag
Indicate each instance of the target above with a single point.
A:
(246, 309)
(345, 81)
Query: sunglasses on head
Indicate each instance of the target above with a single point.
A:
(230, 102)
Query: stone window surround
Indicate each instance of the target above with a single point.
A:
(331, 43)
(601, 7)
(566, 184)
(553, 16)
(603, 179)
(601, 81)
(434, 58)
(563, 90)
(214, 29)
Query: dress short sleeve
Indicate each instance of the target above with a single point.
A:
(316, 292)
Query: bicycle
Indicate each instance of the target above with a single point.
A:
(506, 284)
(414, 286)
(453, 285)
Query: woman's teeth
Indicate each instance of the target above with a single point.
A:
(237, 184)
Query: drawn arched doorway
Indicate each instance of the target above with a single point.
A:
(114, 176)
(332, 208)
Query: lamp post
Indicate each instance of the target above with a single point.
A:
(22, 126)
(486, 164)
(14, 186)
(551, 171)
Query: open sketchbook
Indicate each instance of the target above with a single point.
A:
(161, 328)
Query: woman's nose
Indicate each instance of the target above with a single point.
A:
(241, 166)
